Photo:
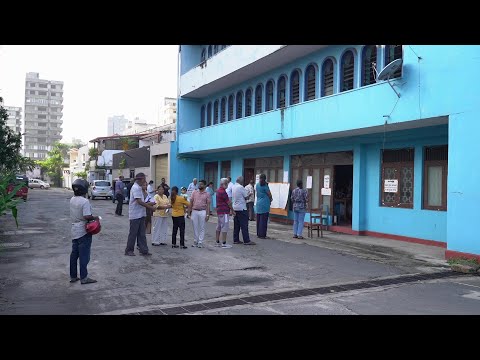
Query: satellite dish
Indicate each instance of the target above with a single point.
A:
(390, 69)
(388, 72)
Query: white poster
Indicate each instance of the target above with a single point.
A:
(285, 176)
(326, 182)
(326, 192)
(279, 195)
(309, 182)
(390, 186)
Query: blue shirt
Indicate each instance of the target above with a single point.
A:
(263, 201)
(119, 185)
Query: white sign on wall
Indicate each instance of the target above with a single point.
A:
(326, 181)
(390, 186)
(309, 182)
(326, 192)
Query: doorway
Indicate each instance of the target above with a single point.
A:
(342, 194)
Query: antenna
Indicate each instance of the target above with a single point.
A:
(388, 71)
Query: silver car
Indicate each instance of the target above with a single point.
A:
(100, 188)
(37, 183)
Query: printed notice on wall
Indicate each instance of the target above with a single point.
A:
(326, 182)
(326, 192)
(390, 186)
(309, 182)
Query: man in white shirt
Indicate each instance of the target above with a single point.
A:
(240, 219)
(229, 188)
(137, 213)
(191, 188)
(251, 199)
(151, 189)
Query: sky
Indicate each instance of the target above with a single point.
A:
(99, 81)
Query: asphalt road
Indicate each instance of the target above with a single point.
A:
(34, 277)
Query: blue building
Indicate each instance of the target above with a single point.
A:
(398, 156)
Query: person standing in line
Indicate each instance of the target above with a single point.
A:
(224, 208)
(119, 186)
(240, 220)
(299, 200)
(191, 188)
(230, 187)
(178, 217)
(80, 213)
(264, 199)
(211, 192)
(149, 200)
(250, 199)
(151, 189)
(129, 187)
(137, 213)
(160, 218)
(199, 211)
(166, 188)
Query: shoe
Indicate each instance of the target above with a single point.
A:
(250, 243)
(72, 280)
(217, 244)
(138, 248)
(226, 246)
(300, 237)
(154, 244)
(174, 246)
(183, 247)
(194, 244)
(238, 242)
(162, 244)
(130, 253)
(295, 236)
(200, 245)
(88, 281)
(146, 254)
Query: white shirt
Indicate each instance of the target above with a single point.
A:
(79, 207)
(250, 193)
(151, 190)
(229, 189)
(239, 194)
(191, 188)
(135, 210)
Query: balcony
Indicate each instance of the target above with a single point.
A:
(237, 64)
(356, 112)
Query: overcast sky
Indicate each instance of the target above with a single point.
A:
(99, 81)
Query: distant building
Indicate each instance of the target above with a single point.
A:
(168, 112)
(43, 115)
(116, 125)
(137, 126)
(14, 120)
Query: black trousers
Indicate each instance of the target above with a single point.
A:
(178, 223)
(119, 198)
(240, 221)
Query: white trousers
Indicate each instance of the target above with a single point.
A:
(160, 229)
(198, 220)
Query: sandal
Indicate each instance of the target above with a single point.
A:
(72, 280)
(183, 247)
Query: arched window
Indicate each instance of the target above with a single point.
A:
(327, 77)
(269, 96)
(258, 99)
(347, 71)
(369, 63)
(295, 88)
(239, 105)
(223, 110)
(281, 92)
(310, 83)
(248, 102)
(209, 115)
(394, 52)
(202, 117)
(209, 51)
(215, 112)
(215, 49)
(230, 107)
(204, 55)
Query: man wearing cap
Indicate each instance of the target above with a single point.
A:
(137, 213)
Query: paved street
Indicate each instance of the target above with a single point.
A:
(34, 277)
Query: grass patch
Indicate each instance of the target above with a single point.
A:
(464, 261)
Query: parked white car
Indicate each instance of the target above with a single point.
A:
(37, 183)
(100, 188)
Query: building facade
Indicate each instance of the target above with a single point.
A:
(137, 126)
(389, 158)
(168, 112)
(14, 120)
(116, 125)
(43, 115)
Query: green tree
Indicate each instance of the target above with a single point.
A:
(93, 153)
(81, 174)
(127, 143)
(54, 163)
